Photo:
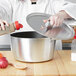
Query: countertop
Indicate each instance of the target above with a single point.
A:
(61, 65)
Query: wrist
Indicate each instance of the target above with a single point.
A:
(64, 14)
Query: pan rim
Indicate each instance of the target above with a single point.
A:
(39, 35)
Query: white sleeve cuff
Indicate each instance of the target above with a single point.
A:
(70, 9)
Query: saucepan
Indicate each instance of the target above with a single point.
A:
(32, 47)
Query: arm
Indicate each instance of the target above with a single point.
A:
(5, 12)
(64, 14)
(63, 10)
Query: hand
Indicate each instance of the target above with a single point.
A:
(57, 19)
(3, 23)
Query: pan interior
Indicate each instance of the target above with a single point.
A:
(28, 35)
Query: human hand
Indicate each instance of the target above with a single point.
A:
(57, 19)
(3, 23)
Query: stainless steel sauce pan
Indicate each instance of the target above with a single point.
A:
(31, 47)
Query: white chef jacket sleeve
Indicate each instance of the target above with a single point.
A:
(68, 6)
(57, 5)
(5, 10)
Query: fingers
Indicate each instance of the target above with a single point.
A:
(3, 24)
(0, 26)
(56, 20)
(52, 20)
